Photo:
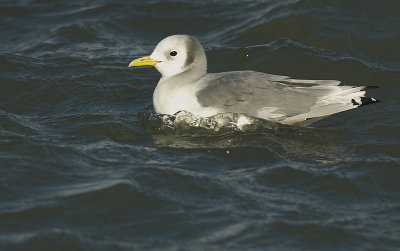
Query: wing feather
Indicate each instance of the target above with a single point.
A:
(275, 97)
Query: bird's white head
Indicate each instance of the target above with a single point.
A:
(177, 54)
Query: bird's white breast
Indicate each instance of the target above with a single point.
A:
(168, 98)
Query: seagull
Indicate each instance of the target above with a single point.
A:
(185, 85)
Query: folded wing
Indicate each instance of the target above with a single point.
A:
(279, 98)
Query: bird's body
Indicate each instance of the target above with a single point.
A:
(186, 85)
(168, 98)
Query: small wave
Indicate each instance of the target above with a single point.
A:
(53, 237)
(232, 122)
(115, 131)
(20, 124)
(226, 133)
(96, 9)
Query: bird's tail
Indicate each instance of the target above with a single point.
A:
(345, 99)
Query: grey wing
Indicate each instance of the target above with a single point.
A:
(277, 98)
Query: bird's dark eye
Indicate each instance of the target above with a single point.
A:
(173, 53)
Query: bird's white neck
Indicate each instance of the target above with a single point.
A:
(177, 93)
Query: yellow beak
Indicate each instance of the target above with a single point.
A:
(143, 61)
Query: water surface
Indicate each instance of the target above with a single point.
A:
(81, 167)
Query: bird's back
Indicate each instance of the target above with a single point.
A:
(278, 98)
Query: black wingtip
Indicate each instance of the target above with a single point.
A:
(368, 100)
(365, 101)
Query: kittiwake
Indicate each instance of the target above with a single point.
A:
(185, 85)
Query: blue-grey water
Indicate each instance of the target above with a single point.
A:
(83, 166)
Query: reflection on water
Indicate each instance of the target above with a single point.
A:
(183, 120)
(233, 131)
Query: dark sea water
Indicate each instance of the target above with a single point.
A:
(83, 166)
